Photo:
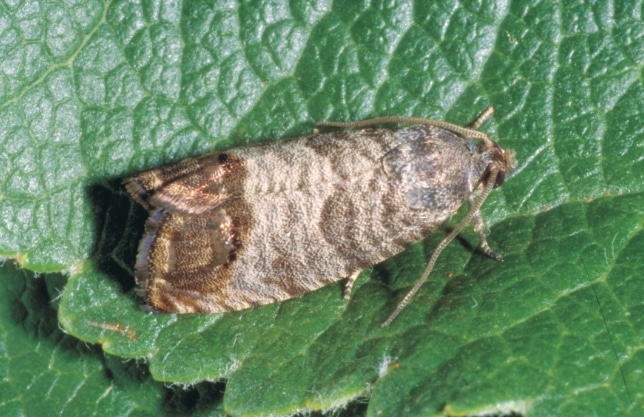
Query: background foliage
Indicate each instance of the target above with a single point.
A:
(91, 92)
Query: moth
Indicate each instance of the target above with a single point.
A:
(260, 224)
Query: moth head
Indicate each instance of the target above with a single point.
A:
(501, 160)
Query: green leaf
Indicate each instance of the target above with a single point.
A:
(45, 372)
(93, 92)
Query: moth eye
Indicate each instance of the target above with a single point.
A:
(500, 178)
(222, 158)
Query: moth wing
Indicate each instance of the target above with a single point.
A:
(431, 166)
(180, 258)
(192, 186)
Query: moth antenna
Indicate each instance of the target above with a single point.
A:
(468, 132)
(485, 114)
(430, 265)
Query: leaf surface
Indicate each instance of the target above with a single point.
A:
(95, 92)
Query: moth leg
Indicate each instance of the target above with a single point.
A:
(349, 284)
(479, 228)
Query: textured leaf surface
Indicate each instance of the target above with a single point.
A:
(94, 92)
(44, 372)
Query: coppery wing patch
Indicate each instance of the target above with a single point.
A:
(192, 186)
